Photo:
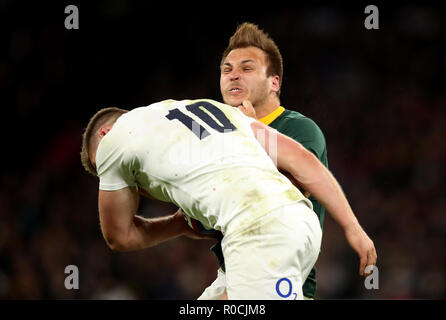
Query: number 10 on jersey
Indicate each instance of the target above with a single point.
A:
(223, 125)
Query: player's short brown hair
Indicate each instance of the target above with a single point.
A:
(101, 117)
(249, 35)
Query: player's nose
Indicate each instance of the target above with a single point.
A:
(234, 76)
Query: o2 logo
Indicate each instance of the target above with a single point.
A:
(285, 290)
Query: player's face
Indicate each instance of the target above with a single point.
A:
(243, 77)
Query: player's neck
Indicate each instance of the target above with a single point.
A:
(264, 109)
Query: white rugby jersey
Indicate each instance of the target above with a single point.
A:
(200, 155)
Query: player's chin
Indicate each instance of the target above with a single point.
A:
(233, 101)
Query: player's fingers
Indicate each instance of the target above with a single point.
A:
(248, 108)
(362, 264)
(370, 262)
(375, 254)
(247, 104)
(371, 256)
(242, 108)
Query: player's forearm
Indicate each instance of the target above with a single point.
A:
(319, 181)
(144, 233)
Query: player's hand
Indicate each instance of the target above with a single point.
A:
(247, 108)
(187, 231)
(363, 245)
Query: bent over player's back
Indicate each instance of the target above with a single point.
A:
(198, 154)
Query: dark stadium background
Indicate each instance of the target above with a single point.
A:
(378, 96)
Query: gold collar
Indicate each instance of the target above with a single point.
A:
(272, 116)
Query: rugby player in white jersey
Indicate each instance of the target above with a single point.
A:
(203, 156)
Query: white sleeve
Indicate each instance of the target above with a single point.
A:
(113, 179)
(115, 169)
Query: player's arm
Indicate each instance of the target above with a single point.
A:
(318, 180)
(124, 230)
(248, 110)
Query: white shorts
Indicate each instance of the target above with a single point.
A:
(269, 258)
(216, 289)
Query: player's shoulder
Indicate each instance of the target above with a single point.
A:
(147, 112)
(163, 104)
(293, 120)
(297, 117)
(302, 129)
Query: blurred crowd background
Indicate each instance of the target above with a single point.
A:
(378, 96)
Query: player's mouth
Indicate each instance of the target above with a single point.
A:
(235, 90)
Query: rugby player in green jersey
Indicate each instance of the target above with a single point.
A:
(251, 76)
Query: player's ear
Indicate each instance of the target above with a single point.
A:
(102, 131)
(275, 83)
